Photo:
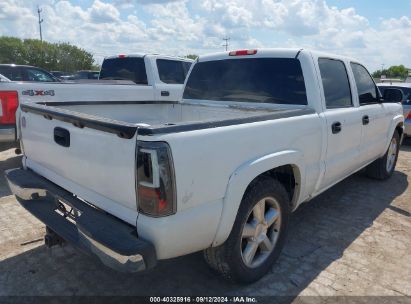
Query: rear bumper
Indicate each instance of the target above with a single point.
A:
(7, 134)
(87, 228)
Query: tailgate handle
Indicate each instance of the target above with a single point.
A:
(62, 137)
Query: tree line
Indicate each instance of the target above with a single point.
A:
(50, 56)
(395, 71)
(64, 56)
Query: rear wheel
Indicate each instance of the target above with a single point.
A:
(258, 234)
(384, 167)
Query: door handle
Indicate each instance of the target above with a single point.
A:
(165, 93)
(62, 137)
(336, 127)
(365, 120)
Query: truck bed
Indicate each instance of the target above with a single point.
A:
(154, 117)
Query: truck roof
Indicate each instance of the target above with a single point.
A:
(272, 52)
(140, 55)
(18, 65)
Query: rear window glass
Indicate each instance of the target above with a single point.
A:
(266, 80)
(172, 71)
(129, 68)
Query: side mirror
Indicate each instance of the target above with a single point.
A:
(392, 95)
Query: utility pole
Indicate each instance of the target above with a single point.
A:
(40, 21)
(226, 44)
(382, 67)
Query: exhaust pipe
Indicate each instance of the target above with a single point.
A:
(52, 239)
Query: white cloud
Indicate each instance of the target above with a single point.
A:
(101, 12)
(14, 15)
(401, 23)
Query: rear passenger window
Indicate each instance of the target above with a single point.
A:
(336, 86)
(172, 71)
(367, 90)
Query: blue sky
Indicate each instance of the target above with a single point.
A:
(374, 10)
(376, 32)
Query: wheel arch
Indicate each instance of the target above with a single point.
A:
(397, 124)
(400, 129)
(286, 167)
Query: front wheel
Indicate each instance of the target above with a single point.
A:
(383, 167)
(258, 234)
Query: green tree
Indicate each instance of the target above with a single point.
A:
(50, 56)
(11, 50)
(192, 56)
(395, 71)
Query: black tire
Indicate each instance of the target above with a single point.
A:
(227, 259)
(378, 168)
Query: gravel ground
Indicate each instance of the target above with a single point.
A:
(353, 240)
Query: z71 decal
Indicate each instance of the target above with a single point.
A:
(38, 92)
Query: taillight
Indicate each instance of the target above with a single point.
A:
(121, 56)
(156, 193)
(9, 102)
(242, 52)
(409, 115)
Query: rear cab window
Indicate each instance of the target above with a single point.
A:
(127, 68)
(260, 80)
(172, 71)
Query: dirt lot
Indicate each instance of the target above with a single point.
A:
(355, 239)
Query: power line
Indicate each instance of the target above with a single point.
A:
(40, 21)
(226, 44)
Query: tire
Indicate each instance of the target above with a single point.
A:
(384, 167)
(234, 259)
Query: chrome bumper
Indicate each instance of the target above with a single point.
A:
(115, 243)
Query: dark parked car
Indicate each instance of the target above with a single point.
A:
(60, 74)
(16, 72)
(406, 102)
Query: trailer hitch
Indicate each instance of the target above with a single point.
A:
(52, 239)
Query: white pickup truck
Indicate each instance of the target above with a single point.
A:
(127, 78)
(257, 133)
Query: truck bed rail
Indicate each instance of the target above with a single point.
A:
(128, 130)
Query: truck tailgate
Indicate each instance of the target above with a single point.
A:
(95, 165)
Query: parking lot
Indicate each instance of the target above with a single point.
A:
(354, 239)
